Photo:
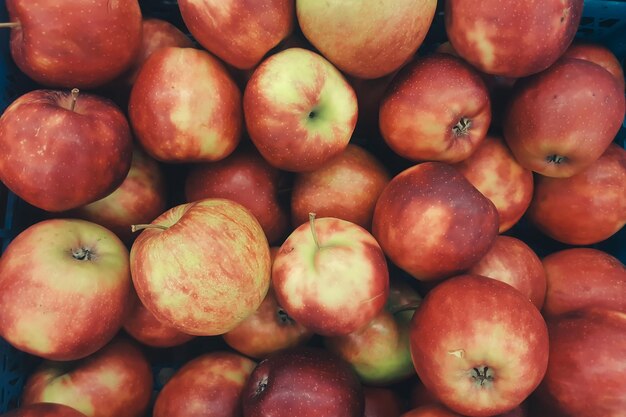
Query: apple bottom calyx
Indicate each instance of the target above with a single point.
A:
(556, 159)
(83, 254)
(462, 127)
(482, 375)
(284, 319)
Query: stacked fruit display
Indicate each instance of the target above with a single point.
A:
(339, 205)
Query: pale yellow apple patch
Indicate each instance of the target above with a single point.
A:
(32, 330)
(479, 35)
(436, 220)
(62, 391)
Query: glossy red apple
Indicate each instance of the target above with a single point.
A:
(598, 54)
(382, 402)
(44, 410)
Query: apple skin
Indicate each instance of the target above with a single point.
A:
(185, 107)
(74, 44)
(44, 410)
(591, 345)
(495, 172)
(369, 94)
(598, 54)
(246, 178)
(346, 187)
(471, 323)
(436, 109)
(513, 262)
(64, 289)
(432, 223)
(83, 155)
(209, 385)
(370, 39)
(382, 402)
(303, 381)
(334, 281)
(239, 32)
(561, 120)
(572, 211)
(207, 271)
(526, 39)
(116, 380)
(582, 278)
(431, 410)
(299, 110)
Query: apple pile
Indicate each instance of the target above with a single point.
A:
(361, 220)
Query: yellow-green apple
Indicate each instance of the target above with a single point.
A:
(368, 39)
(299, 110)
(140, 198)
(64, 289)
(479, 345)
(185, 107)
(512, 261)
(246, 178)
(432, 223)
(431, 410)
(303, 381)
(513, 39)
(382, 402)
(436, 109)
(586, 208)
(599, 54)
(44, 410)
(62, 150)
(74, 43)
(587, 349)
(331, 276)
(579, 278)
(495, 172)
(115, 381)
(201, 267)
(346, 187)
(560, 121)
(379, 351)
(239, 32)
(209, 385)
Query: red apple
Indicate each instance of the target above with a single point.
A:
(64, 288)
(479, 345)
(431, 410)
(369, 94)
(202, 267)
(419, 395)
(44, 410)
(583, 277)
(436, 108)
(432, 223)
(585, 376)
(513, 262)
(246, 178)
(304, 382)
(561, 120)
(299, 110)
(115, 381)
(331, 276)
(382, 402)
(185, 107)
(239, 32)
(598, 54)
(74, 43)
(61, 151)
(586, 208)
(515, 39)
(209, 385)
(368, 39)
(346, 187)
(495, 172)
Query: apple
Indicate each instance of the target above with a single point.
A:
(64, 289)
(369, 94)
(382, 402)
(346, 187)
(432, 223)
(62, 150)
(513, 40)
(419, 395)
(239, 32)
(44, 410)
(303, 382)
(368, 39)
(331, 276)
(513, 262)
(479, 345)
(437, 108)
(561, 120)
(208, 385)
(573, 211)
(587, 349)
(246, 178)
(583, 277)
(185, 107)
(74, 43)
(495, 172)
(299, 110)
(598, 54)
(115, 381)
(431, 410)
(201, 267)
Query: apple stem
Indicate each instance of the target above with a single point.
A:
(313, 231)
(406, 307)
(138, 227)
(75, 92)
(10, 25)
